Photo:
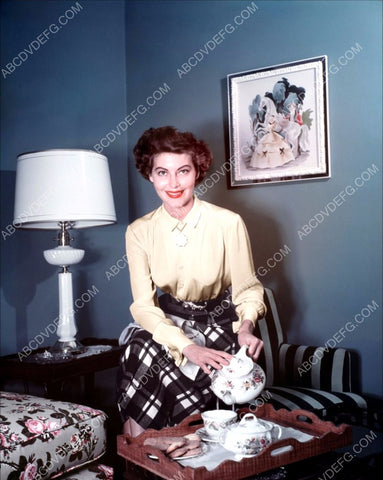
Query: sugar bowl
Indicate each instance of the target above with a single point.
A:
(250, 436)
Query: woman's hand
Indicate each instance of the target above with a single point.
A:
(246, 337)
(206, 358)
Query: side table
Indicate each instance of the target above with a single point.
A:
(52, 375)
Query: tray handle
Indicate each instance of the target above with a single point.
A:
(305, 416)
(287, 447)
(311, 421)
(192, 419)
(154, 455)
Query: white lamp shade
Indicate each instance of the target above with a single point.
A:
(63, 185)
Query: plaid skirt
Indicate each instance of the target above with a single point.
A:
(151, 389)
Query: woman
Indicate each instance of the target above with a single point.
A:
(272, 151)
(193, 252)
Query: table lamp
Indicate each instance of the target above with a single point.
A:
(62, 189)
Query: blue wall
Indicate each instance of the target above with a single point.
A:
(78, 88)
(67, 94)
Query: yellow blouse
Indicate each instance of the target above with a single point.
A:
(217, 254)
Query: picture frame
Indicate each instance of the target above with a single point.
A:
(278, 123)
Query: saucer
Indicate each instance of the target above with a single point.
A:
(205, 436)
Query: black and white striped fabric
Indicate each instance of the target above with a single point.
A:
(270, 331)
(318, 379)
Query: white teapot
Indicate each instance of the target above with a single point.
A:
(250, 436)
(240, 381)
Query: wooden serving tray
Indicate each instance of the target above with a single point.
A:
(326, 435)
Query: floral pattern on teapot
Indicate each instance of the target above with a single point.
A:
(240, 381)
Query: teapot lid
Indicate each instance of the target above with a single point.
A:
(239, 365)
(251, 424)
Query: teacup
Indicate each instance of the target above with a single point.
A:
(216, 421)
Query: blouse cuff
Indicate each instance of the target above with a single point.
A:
(251, 313)
(174, 338)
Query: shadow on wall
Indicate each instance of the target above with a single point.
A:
(21, 272)
(270, 251)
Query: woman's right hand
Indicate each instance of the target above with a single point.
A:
(207, 358)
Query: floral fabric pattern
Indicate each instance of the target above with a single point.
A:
(42, 438)
(92, 472)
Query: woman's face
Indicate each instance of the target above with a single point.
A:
(173, 176)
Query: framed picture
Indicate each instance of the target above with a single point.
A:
(278, 123)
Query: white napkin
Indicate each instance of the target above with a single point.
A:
(126, 333)
(189, 369)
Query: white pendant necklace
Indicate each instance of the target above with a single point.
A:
(180, 239)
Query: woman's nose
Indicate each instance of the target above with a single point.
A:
(174, 182)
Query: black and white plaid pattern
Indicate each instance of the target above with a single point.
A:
(153, 391)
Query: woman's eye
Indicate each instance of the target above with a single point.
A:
(185, 171)
(161, 173)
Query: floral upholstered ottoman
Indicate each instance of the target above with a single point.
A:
(92, 472)
(42, 438)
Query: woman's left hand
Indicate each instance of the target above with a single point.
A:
(246, 337)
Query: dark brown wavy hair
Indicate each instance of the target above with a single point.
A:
(168, 139)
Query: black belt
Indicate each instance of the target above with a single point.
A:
(207, 305)
(198, 311)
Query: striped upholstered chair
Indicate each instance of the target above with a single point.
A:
(318, 379)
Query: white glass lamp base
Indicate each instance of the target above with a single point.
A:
(66, 327)
(73, 347)
(63, 256)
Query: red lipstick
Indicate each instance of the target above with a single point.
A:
(175, 194)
